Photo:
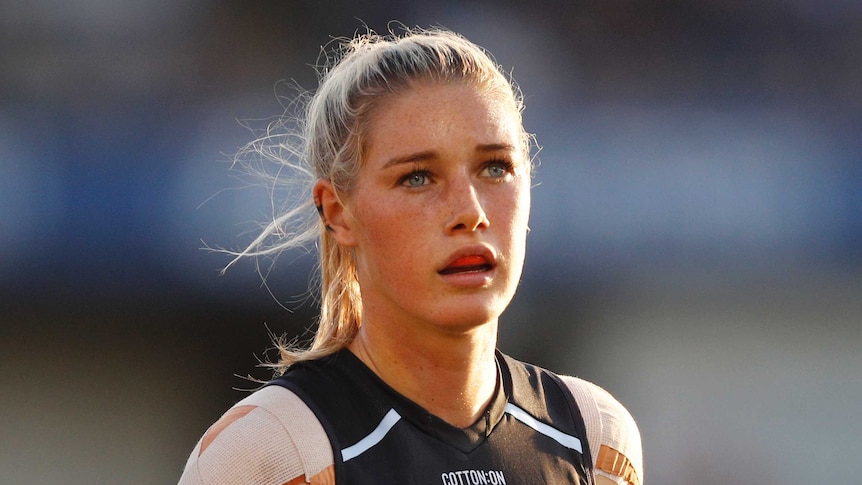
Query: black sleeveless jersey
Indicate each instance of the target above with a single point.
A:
(531, 433)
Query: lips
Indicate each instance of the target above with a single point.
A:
(468, 263)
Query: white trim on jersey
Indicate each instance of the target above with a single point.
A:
(372, 439)
(564, 439)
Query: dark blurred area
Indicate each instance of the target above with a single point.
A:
(696, 243)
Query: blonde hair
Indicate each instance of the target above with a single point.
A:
(363, 70)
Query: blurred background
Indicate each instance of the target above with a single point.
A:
(696, 243)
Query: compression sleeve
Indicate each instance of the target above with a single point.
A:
(270, 437)
(613, 436)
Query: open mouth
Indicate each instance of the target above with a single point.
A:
(467, 264)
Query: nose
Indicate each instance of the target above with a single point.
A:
(466, 209)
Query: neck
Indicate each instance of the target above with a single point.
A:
(451, 375)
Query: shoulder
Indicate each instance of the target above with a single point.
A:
(613, 435)
(269, 437)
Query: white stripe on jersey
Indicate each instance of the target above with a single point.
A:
(564, 439)
(372, 439)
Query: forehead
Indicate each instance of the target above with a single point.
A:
(435, 115)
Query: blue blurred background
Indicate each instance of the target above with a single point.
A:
(696, 243)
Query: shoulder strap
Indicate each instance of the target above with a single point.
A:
(580, 425)
(544, 392)
(297, 381)
(298, 420)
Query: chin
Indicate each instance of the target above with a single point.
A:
(466, 318)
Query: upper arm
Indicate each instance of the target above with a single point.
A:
(271, 437)
(612, 434)
(603, 480)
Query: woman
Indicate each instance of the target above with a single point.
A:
(422, 187)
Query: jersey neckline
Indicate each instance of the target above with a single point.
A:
(464, 439)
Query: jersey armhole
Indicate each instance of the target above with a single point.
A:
(334, 445)
(615, 448)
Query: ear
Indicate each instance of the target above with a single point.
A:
(335, 216)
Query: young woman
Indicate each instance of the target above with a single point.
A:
(421, 183)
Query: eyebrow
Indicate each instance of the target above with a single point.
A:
(432, 154)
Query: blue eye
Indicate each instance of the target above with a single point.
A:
(418, 178)
(497, 169)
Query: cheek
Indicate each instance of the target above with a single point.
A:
(514, 208)
(386, 229)
(525, 212)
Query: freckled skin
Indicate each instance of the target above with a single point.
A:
(444, 177)
(405, 234)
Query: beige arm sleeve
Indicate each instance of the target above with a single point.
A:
(271, 437)
(613, 436)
